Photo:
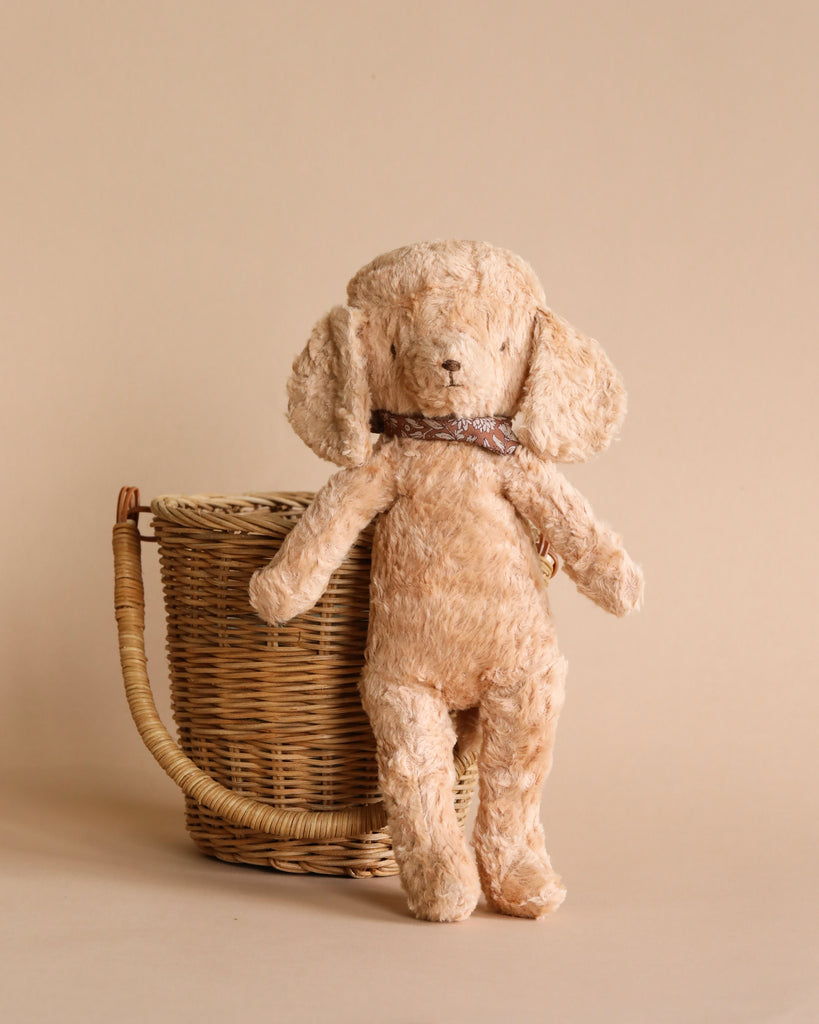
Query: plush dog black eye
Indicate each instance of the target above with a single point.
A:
(392, 351)
(503, 346)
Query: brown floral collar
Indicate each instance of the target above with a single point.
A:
(493, 433)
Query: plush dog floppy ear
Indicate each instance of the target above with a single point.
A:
(329, 399)
(573, 400)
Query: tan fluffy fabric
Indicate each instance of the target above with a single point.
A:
(459, 613)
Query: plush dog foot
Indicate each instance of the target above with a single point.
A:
(440, 888)
(528, 888)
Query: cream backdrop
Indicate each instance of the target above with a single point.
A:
(185, 188)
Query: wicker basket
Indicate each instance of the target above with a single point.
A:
(275, 754)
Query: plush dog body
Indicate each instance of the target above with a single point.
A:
(459, 617)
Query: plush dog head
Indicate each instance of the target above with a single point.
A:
(452, 329)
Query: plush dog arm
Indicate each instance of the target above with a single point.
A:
(592, 554)
(297, 577)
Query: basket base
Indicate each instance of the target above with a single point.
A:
(365, 856)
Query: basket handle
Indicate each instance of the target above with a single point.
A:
(129, 600)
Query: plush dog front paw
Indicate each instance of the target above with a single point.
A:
(629, 588)
(269, 599)
(616, 585)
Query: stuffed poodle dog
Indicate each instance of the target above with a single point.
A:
(439, 347)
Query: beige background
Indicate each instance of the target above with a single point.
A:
(185, 188)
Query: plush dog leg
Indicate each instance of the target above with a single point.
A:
(519, 724)
(415, 739)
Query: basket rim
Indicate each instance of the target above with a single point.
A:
(257, 512)
(262, 513)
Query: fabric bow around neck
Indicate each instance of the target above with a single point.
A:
(492, 433)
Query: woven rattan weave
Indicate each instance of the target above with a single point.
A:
(274, 754)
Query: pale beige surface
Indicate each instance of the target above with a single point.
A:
(185, 188)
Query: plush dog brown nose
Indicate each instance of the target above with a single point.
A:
(451, 365)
